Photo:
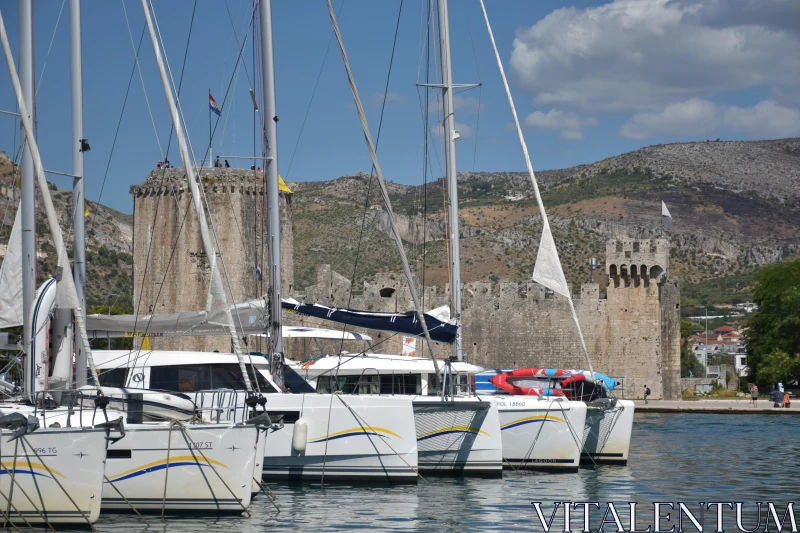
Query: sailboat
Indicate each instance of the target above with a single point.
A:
(316, 437)
(164, 466)
(608, 423)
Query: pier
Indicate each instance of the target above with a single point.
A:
(740, 406)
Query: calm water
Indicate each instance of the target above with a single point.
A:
(716, 458)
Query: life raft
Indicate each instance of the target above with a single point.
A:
(572, 383)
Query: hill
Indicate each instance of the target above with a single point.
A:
(109, 236)
(735, 207)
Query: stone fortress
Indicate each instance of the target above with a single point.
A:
(632, 331)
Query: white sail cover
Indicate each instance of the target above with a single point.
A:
(11, 278)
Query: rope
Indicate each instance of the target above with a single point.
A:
(52, 475)
(523, 144)
(7, 516)
(313, 92)
(36, 486)
(269, 493)
(49, 48)
(372, 172)
(574, 436)
(213, 469)
(659, 444)
(362, 422)
(119, 124)
(384, 192)
(126, 500)
(166, 471)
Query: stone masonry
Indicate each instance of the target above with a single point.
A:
(171, 271)
(632, 332)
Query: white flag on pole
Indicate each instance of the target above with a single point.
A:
(665, 216)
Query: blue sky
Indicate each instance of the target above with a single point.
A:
(590, 80)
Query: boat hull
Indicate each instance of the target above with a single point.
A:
(459, 436)
(71, 457)
(204, 468)
(541, 434)
(350, 438)
(607, 433)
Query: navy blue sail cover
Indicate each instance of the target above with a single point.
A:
(406, 323)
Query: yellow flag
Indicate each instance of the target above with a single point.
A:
(86, 210)
(283, 187)
(146, 344)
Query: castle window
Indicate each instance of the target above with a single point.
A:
(628, 254)
(636, 246)
(386, 292)
(619, 247)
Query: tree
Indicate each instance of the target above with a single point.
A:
(690, 365)
(775, 328)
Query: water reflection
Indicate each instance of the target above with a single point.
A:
(684, 457)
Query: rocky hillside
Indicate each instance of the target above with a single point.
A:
(735, 207)
(108, 265)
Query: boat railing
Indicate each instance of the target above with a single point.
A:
(223, 405)
(69, 400)
(357, 389)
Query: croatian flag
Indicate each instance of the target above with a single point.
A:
(213, 105)
(259, 275)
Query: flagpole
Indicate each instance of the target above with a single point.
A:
(210, 150)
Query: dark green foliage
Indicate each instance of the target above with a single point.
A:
(773, 336)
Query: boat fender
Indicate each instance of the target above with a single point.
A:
(300, 435)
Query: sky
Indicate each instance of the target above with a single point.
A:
(590, 79)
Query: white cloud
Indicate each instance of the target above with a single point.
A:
(641, 55)
(568, 124)
(767, 119)
(467, 104)
(376, 99)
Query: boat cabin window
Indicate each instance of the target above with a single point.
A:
(294, 383)
(371, 384)
(116, 377)
(193, 378)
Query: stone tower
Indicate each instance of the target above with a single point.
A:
(170, 269)
(643, 307)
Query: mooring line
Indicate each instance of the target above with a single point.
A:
(659, 444)
(269, 493)
(89, 522)
(224, 483)
(7, 517)
(126, 500)
(361, 422)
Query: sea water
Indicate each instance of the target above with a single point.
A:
(688, 458)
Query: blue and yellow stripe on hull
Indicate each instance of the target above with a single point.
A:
(450, 430)
(22, 466)
(356, 432)
(531, 420)
(155, 466)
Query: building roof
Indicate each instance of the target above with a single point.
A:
(724, 329)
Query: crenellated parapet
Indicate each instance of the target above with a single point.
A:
(637, 262)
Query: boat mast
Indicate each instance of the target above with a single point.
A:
(270, 119)
(217, 306)
(27, 203)
(450, 136)
(78, 207)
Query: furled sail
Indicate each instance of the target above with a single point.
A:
(11, 278)
(252, 315)
(406, 323)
